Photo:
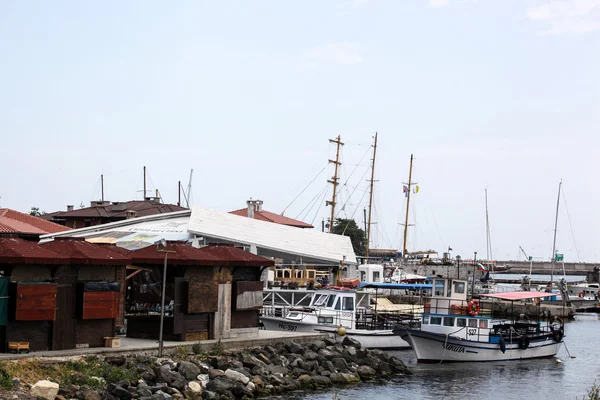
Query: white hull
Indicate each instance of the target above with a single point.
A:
(432, 348)
(375, 339)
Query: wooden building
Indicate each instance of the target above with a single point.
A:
(211, 293)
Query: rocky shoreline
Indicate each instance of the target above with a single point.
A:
(214, 375)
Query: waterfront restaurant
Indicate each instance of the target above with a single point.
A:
(212, 292)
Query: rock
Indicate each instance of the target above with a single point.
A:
(348, 341)
(177, 381)
(93, 395)
(318, 345)
(366, 372)
(163, 375)
(340, 364)
(58, 397)
(329, 342)
(399, 366)
(173, 392)
(16, 383)
(69, 391)
(116, 361)
(221, 386)
(249, 361)
(119, 392)
(160, 395)
(329, 366)
(272, 350)
(297, 363)
(326, 373)
(148, 376)
(305, 380)
(294, 348)
(277, 369)
(296, 372)
(343, 377)
(157, 387)
(215, 373)
(260, 371)
(203, 379)
(237, 376)
(258, 382)
(321, 381)
(263, 358)
(204, 367)
(243, 371)
(251, 386)
(44, 389)
(208, 395)
(326, 354)
(351, 352)
(310, 355)
(384, 369)
(193, 391)
(188, 370)
(143, 390)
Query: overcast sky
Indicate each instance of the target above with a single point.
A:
(503, 95)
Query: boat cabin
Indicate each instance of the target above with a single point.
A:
(371, 273)
(329, 307)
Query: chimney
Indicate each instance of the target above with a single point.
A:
(130, 214)
(258, 205)
(250, 204)
(69, 207)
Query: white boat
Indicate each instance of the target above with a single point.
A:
(331, 309)
(584, 291)
(453, 330)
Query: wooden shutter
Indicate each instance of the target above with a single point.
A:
(35, 302)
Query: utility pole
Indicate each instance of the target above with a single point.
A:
(371, 196)
(102, 185)
(334, 180)
(407, 206)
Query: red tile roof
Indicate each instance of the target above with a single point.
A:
(14, 250)
(182, 254)
(117, 210)
(85, 253)
(12, 221)
(178, 254)
(272, 217)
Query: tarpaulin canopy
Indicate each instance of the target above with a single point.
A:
(519, 295)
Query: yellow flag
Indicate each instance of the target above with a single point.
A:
(416, 188)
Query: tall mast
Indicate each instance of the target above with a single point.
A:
(334, 180)
(144, 183)
(102, 185)
(488, 238)
(554, 242)
(371, 196)
(179, 193)
(407, 206)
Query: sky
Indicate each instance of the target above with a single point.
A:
(502, 95)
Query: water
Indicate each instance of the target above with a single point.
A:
(532, 379)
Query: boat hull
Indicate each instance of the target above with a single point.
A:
(375, 339)
(434, 348)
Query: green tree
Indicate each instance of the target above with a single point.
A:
(348, 227)
(35, 211)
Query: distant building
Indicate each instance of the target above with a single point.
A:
(103, 212)
(255, 210)
(23, 224)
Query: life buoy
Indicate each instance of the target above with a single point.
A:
(474, 307)
(524, 342)
(581, 294)
(555, 323)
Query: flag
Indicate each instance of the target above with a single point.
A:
(482, 267)
(416, 188)
(405, 190)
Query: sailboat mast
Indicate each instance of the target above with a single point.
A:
(407, 206)
(555, 228)
(371, 196)
(102, 185)
(334, 180)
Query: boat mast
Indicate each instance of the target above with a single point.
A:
(334, 180)
(144, 198)
(554, 242)
(407, 205)
(488, 238)
(102, 185)
(371, 196)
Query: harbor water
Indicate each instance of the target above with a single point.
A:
(531, 379)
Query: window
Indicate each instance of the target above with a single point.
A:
(439, 288)
(483, 323)
(448, 321)
(337, 304)
(425, 319)
(320, 300)
(461, 322)
(348, 304)
(286, 273)
(436, 321)
(331, 300)
(325, 320)
(449, 293)
(310, 274)
(279, 273)
(299, 274)
(363, 276)
(472, 323)
(375, 276)
(459, 287)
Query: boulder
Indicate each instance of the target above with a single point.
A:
(318, 345)
(215, 373)
(366, 372)
(163, 375)
(237, 376)
(119, 392)
(221, 386)
(310, 355)
(160, 395)
(188, 370)
(305, 380)
(340, 364)
(177, 381)
(263, 357)
(348, 341)
(294, 348)
(344, 378)
(277, 369)
(399, 366)
(350, 352)
(157, 387)
(143, 390)
(203, 379)
(208, 395)
(44, 389)
(93, 395)
(326, 354)
(249, 361)
(193, 391)
(321, 381)
(116, 361)
(251, 387)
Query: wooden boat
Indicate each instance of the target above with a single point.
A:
(453, 330)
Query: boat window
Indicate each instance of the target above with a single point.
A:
(449, 293)
(293, 315)
(337, 304)
(425, 319)
(331, 300)
(348, 304)
(461, 322)
(459, 287)
(325, 320)
(299, 274)
(363, 276)
(436, 320)
(279, 273)
(375, 276)
(286, 273)
(310, 274)
(472, 323)
(439, 288)
(448, 321)
(320, 300)
(483, 324)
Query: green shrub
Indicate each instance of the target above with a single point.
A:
(6, 382)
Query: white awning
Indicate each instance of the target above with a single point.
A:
(307, 243)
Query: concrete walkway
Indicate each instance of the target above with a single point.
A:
(150, 347)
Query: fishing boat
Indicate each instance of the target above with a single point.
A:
(331, 309)
(453, 330)
(584, 291)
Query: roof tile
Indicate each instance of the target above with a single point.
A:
(12, 221)
(85, 253)
(268, 216)
(14, 250)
